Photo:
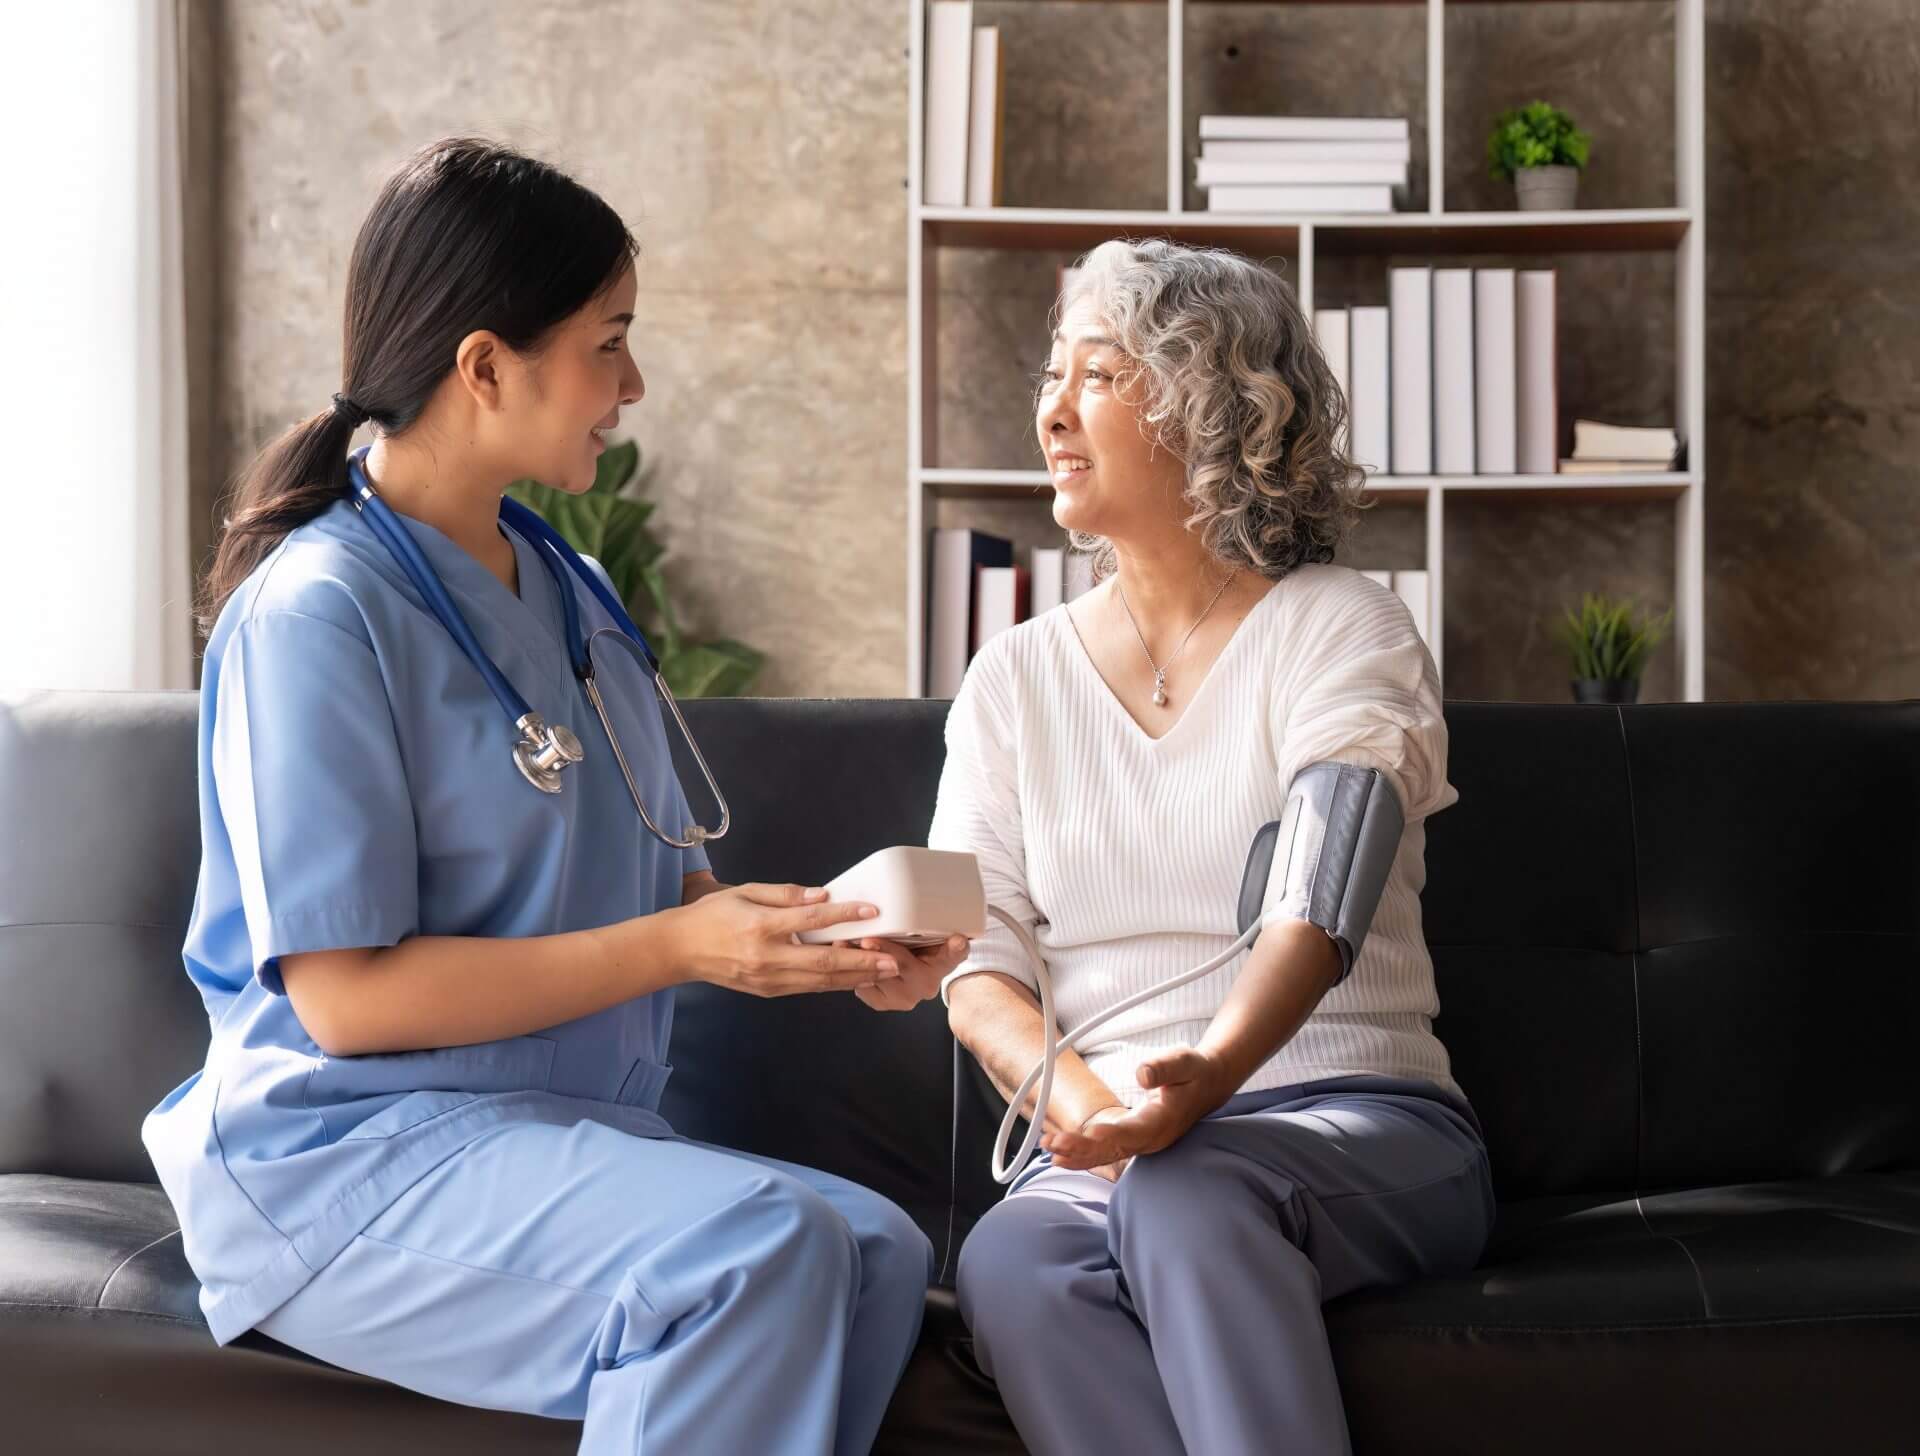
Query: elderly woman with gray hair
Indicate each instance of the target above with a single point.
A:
(1227, 1156)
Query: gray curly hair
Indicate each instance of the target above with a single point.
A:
(1236, 387)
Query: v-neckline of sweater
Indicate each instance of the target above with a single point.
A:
(1078, 648)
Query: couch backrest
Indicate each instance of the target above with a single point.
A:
(1676, 943)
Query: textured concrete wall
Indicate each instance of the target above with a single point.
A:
(758, 149)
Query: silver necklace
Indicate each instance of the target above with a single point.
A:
(1160, 669)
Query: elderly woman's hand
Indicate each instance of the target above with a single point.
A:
(920, 972)
(1184, 1086)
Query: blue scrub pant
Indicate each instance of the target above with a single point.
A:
(1179, 1309)
(676, 1297)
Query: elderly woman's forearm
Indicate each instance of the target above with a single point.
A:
(998, 1020)
(1292, 965)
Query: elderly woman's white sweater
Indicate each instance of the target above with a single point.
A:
(1124, 853)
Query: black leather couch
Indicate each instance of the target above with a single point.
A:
(1676, 946)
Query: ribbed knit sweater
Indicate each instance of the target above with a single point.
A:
(1123, 853)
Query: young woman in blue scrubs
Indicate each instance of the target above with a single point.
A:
(426, 1142)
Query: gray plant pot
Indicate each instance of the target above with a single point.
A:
(1547, 189)
(1606, 689)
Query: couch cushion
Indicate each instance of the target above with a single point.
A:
(1767, 1317)
(98, 861)
(100, 1331)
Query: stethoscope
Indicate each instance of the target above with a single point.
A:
(542, 751)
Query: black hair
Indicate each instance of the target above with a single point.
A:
(466, 235)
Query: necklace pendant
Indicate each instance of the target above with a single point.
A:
(1159, 690)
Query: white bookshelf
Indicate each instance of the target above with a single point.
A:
(1679, 229)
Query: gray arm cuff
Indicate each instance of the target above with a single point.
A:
(1326, 859)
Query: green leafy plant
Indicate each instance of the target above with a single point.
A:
(1603, 643)
(612, 527)
(1535, 135)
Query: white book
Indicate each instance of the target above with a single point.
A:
(1287, 128)
(1536, 373)
(1330, 327)
(1411, 588)
(1079, 576)
(1595, 441)
(1049, 578)
(1370, 392)
(1000, 604)
(949, 89)
(1574, 466)
(957, 554)
(1232, 151)
(1325, 197)
(1495, 401)
(1209, 172)
(1453, 410)
(983, 136)
(1410, 300)
(1385, 578)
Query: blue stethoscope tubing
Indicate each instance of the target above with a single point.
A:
(542, 751)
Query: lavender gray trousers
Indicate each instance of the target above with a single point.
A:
(1178, 1310)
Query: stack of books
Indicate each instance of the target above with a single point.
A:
(1302, 163)
(974, 590)
(1412, 588)
(964, 108)
(1457, 375)
(1620, 449)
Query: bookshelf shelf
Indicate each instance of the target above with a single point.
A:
(1064, 230)
(1678, 230)
(953, 484)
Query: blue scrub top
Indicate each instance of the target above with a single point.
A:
(356, 788)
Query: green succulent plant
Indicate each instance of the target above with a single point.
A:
(1604, 644)
(612, 527)
(1535, 135)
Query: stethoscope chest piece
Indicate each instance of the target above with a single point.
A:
(543, 752)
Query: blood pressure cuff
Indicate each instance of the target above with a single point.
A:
(1326, 858)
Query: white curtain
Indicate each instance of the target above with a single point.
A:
(95, 582)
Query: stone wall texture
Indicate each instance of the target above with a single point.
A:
(758, 150)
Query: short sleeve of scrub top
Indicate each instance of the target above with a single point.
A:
(315, 799)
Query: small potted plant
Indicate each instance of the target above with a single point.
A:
(1608, 651)
(1539, 149)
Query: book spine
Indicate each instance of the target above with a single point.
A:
(1495, 397)
(1209, 172)
(1412, 588)
(1371, 388)
(1411, 351)
(949, 87)
(1536, 370)
(1368, 197)
(1288, 128)
(1331, 328)
(1306, 151)
(1453, 409)
(1049, 578)
(984, 117)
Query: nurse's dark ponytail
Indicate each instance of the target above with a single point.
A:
(466, 235)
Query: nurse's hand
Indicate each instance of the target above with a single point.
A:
(920, 973)
(742, 937)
